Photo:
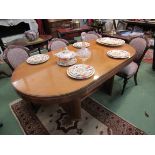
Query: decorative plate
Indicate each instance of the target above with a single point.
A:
(118, 54)
(110, 41)
(80, 44)
(67, 63)
(37, 59)
(80, 71)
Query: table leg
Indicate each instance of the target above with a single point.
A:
(73, 108)
(35, 107)
(108, 86)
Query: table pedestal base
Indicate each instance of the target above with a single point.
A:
(73, 108)
(108, 86)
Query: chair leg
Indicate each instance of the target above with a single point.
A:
(135, 79)
(125, 82)
(1, 124)
(47, 47)
(5, 74)
(39, 50)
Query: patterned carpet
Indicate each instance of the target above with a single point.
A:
(96, 120)
(148, 58)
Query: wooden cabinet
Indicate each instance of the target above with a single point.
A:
(51, 25)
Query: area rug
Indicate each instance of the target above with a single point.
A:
(96, 120)
(148, 58)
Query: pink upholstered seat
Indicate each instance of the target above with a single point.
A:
(92, 35)
(15, 55)
(57, 43)
(129, 70)
(93, 32)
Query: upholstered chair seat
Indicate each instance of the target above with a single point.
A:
(129, 70)
(57, 43)
(92, 35)
(15, 55)
(93, 32)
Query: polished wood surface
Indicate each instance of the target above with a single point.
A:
(49, 79)
(25, 42)
(49, 83)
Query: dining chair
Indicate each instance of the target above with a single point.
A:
(93, 32)
(57, 43)
(92, 35)
(131, 70)
(15, 55)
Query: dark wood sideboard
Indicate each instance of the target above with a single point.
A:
(51, 25)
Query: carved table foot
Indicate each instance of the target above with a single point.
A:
(73, 108)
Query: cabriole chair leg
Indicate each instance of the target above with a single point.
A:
(135, 79)
(125, 82)
(1, 124)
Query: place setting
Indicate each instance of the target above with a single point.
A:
(80, 71)
(118, 54)
(37, 59)
(81, 44)
(67, 58)
(110, 41)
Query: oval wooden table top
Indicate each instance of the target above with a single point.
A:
(50, 80)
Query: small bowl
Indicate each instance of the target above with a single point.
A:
(65, 57)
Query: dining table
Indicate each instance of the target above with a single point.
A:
(48, 83)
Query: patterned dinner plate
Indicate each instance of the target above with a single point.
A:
(110, 41)
(118, 54)
(80, 44)
(80, 71)
(37, 59)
